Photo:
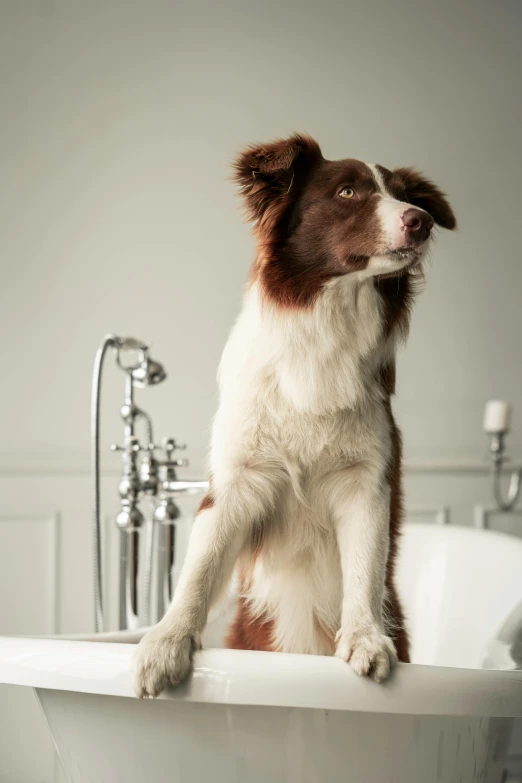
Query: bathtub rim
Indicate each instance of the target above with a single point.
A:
(235, 677)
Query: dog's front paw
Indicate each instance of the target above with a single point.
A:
(368, 652)
(162, 658)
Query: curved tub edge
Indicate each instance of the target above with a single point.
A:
(266, 679)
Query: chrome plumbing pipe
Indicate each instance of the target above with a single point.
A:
(130, 518)
(504, 502)
(497, 420)
(166, 561)
(143, 372)
(108, 342)
(165, 517)
(140, 477)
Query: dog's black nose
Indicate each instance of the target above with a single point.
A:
(417, 224)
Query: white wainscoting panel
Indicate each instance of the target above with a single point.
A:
(489, 517)
(29, 574)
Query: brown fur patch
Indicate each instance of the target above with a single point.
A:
(208, 499)
(393, 606)
(266, 174)
(388, 378)
(398, 294)
(250, 633)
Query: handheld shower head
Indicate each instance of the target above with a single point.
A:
(143, 370)
(148, 373)
(132, 356)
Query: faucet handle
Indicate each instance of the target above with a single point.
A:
(133, 446)
(150, 447)
(181, 463)
(169, 445)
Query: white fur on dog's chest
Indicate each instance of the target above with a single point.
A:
(298, 395)
(296, 376)
(296, 581)
(321, 354)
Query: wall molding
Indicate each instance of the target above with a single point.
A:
(483, 515)
(79, 465)
(53, 559)
(439, 515)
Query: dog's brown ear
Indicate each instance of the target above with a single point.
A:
(424, 194)
(266, 172)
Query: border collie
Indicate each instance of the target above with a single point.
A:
(305, 484)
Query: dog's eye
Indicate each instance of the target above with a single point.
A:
(347, 193)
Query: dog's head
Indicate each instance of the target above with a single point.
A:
(317, 219)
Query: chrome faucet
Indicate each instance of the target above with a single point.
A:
(144, 475)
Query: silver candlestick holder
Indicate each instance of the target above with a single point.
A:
(497, 420)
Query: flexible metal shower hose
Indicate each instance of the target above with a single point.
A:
(108, 341)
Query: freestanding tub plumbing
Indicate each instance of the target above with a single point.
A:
(144, 476)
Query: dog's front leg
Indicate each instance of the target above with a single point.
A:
(164, 655)
(361, 514)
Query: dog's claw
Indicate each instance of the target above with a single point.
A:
(162, 659)
(368, 652)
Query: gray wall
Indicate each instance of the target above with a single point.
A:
(118, 124)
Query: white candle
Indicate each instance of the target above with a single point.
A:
(497, 416)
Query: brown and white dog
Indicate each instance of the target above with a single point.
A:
(305, 493)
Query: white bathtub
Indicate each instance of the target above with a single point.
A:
(266, 717)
